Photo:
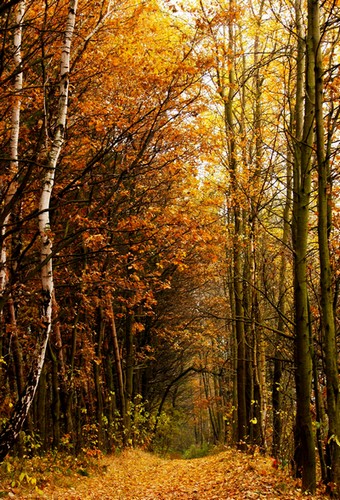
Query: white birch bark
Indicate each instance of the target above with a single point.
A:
(14, 139)
(13, 172)
(48, 181)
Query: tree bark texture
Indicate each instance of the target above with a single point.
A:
(305, 447)
(327, 319)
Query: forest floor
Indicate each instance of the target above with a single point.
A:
(137, 475)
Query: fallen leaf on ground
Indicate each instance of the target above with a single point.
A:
(137, 475)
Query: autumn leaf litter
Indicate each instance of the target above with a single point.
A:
(137, 475)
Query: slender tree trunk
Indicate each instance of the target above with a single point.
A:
(118, 363)
(16, 348)
(13, 170)
(14, 138)
(234, 433)
(327, 317)
(97, 376)
(256, 181)
(55, 400)
(129, 371)
(242, 424)
(278, 362)
(320, 417)
(219, 408)
(68, 391)
(59, 377)
(305, 446)
(249, 328)
(241, 341)
(41, 416)
(14, 144)
(111, 403)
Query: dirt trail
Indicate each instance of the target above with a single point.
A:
(136, 475)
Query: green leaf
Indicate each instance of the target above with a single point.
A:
(335, 438)
(22, 477)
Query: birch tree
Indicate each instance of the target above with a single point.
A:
(14, 140)
(11, 431)
(6, 240)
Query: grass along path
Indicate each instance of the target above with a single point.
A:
(136, 475)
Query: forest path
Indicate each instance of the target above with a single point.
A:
(136, 475)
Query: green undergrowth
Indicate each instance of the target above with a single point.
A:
(197, 451)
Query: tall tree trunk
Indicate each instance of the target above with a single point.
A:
(14, 143)
(119, 367)
(97, 376)
(59, 376)
(218, 390)
(129, 371)
(41, 406)
(260, 375)
(278, 361)
(305, 446)
(327, 317)
(14, 139)
(319, 413)
(16, 348)
(228, 97)
(233, 353)
(13, 170)
(55, 406)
